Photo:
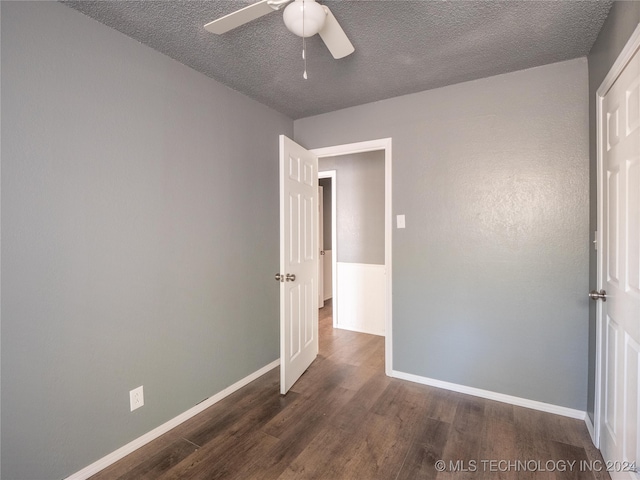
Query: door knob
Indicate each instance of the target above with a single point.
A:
(321, 252)
(595, 295)
(290, 277)
(279, 277)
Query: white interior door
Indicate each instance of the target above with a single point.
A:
(298, 261)
(619, 315)
(321, 247)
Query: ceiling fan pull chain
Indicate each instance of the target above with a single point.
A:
(304, 57)
(304, 46)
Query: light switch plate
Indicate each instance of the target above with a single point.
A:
(400, 219)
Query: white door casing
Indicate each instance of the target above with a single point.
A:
(331, 174)
(320, 247)
(618, 363)
(298, 261)
(384, 144)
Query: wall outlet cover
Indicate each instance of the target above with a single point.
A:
(136, 398)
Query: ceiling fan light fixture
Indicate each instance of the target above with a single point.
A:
(312, 12)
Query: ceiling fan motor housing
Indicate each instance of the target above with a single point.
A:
(304, 18)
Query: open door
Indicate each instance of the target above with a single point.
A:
(618, 405)
(298, 261)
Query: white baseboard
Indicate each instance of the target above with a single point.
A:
(499, 397)
(130, 447)
(360, 330)
(592, 430)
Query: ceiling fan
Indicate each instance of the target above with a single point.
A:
(304, 18)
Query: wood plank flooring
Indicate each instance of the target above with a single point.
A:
(344, 419)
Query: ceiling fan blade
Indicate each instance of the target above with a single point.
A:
(334, 37)
(239, 17)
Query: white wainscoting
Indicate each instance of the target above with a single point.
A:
(327, 275)
(361, 297)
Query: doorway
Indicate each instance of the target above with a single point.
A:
(327, 180)
(383, 146)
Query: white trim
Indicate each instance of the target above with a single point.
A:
(328, 278)
(499, 397)
(590, 428)
(598, 363)
(625, 56)
(139, 442)
(368, 146)
(322, 252)
(334, 242)
(630, 48)
(362, 265)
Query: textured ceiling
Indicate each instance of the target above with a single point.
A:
(401, 46)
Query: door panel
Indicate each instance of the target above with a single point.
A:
(620, 334)
(631, 444)
(298, 261)
(611, 377)
(633, 231)
(612, 225)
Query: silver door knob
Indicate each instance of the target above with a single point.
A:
(290, 277)
(595, 295)
(279, 277)
(321, 252)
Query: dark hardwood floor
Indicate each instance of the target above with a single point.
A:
(344, 419)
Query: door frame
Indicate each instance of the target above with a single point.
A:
(334, 241)
(320, 244)
(630, 48)
(361, 147)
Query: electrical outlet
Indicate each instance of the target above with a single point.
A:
(136, 398)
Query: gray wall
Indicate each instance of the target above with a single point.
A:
(129, 246)
(620, 24)
(491, 273)
(359, 206)
(325, 183)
